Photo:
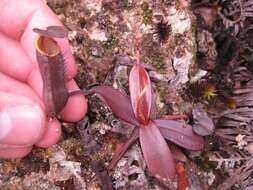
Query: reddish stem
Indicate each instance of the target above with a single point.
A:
(137, 48)
(182, 182)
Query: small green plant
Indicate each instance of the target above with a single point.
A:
(208, 91)
(147, 13)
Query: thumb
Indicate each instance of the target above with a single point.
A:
(22, 122)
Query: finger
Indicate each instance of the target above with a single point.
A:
(34, 15)
(15, 152)
(26, 15)
(35, 81)
(22, 122)
(52, 135)
(18, 66)
(16, 87)
(76, 106)
(17, 12)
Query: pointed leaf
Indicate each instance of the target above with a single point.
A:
(118, 102)
(156, 152)
(122, 148)
(180, 134)
(140, 93)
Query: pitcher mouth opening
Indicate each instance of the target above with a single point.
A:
(47, 46)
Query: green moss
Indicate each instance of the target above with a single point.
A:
(147, 13)
(194, 27)
(100, 76)
(102, 154)
(81, 74)
(79, 151)
(158, 62)
(177, 40)
(161, 90)
(110, 43)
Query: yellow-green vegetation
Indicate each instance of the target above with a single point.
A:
(100, 76)
(8, 167)
(147, 13)
(177, 40)
(157, 61)
(103, 154)
(194, 27)
(161, 90)
(110, 43)
(13, 183)
(231, 103)
(208, 91)
(81, 74)
(70, 144)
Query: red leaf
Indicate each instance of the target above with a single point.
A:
(180, 134)
(140, 93)
(122, 148)
(118, 102)
(156, 152)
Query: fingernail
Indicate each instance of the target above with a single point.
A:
(21, 125)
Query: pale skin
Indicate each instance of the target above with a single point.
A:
(23, 120)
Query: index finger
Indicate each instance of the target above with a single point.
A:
(21, 17)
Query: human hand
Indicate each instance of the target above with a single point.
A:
(23, 121)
